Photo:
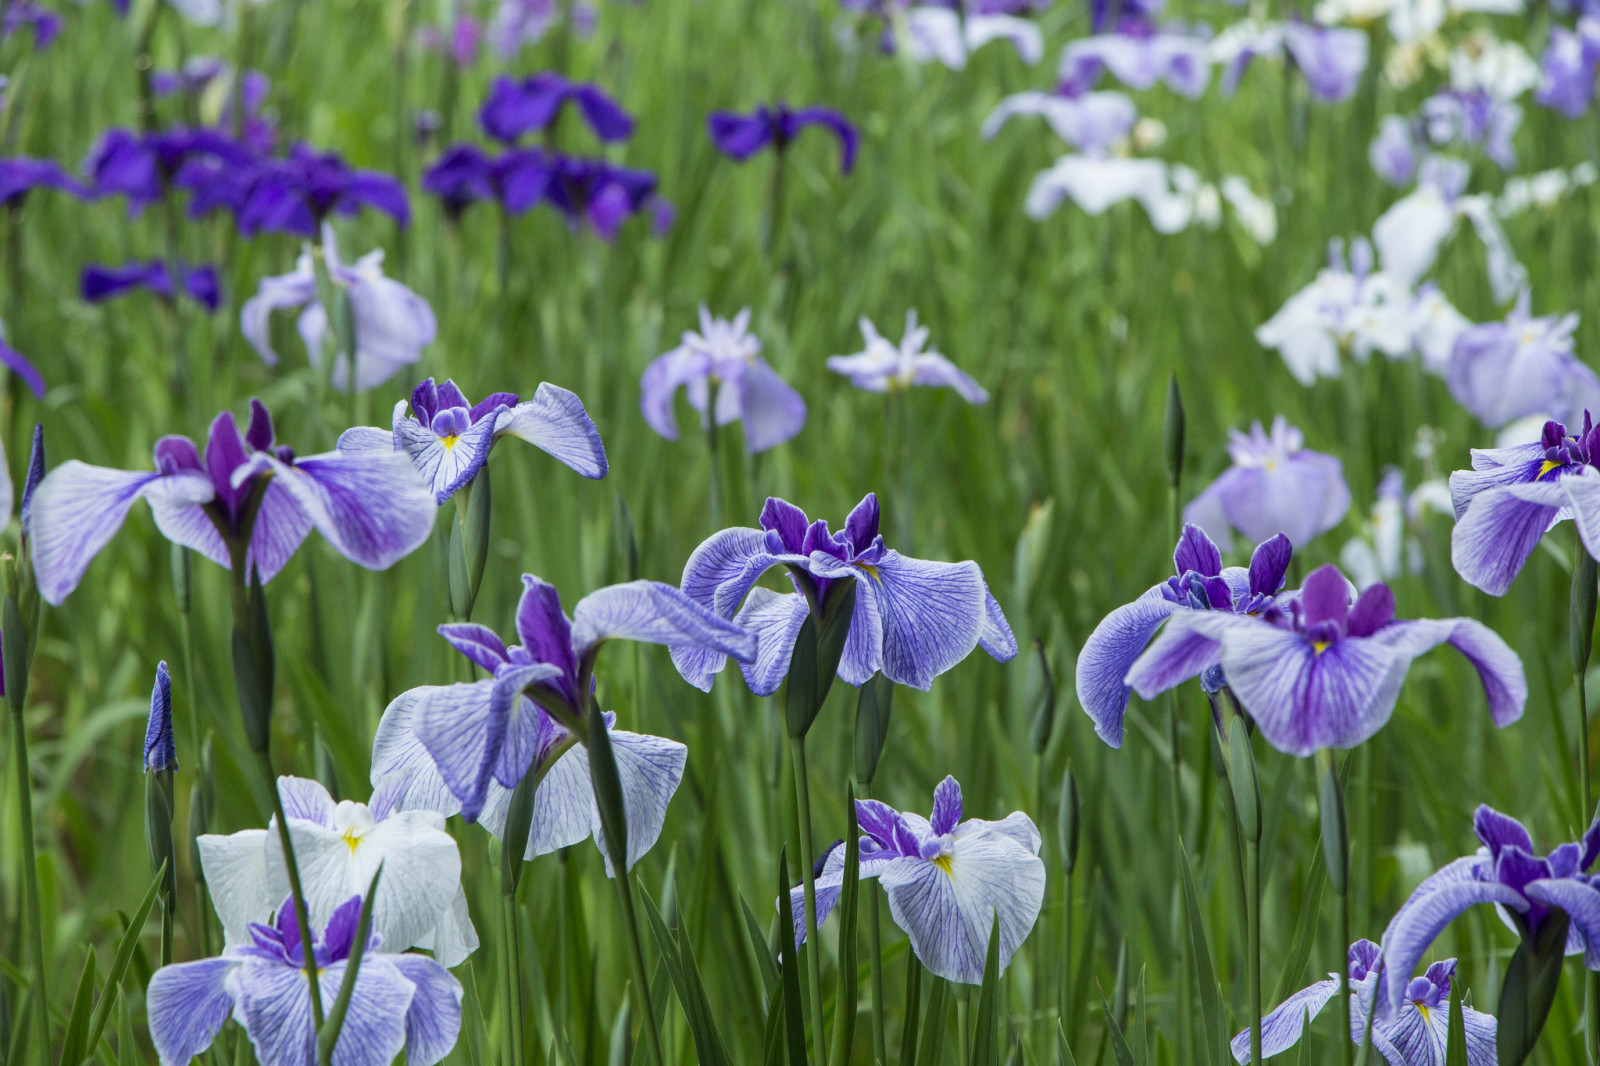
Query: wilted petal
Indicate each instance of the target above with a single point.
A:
(1108, 656)
(187, 1004)
(556, 421)
(433, 1020)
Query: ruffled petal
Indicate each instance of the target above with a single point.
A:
(1499, 668)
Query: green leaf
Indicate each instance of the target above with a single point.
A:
(72, 1047)
(127, 1043)
(328, 1035)
(1211, 1017)
(930, 1048)
(775, 1042)
(1335, 831)
(1455, 1049)
(621, 1051)
(758, 945)
(686, 982)
(607, 790)
(1529, 989)
(837, 615)
(472, 1026)
(514, 834)
(800, 695)
(872, 725)
(1307, 1039)
(1063, 1051)
(794, 1022)
(986, 1032)
(1119, 1043)
(1141, 1030)
(119, 966)
(1242, 778)
(1305, 930)
(908, 1033)
(848, 989)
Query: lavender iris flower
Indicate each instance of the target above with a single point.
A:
(521, 22)
(1569, 65)
(493, 732)
(1139, 52)
(1089, 121)
(723, 359)
(20, 175)
(515, 108)
(1202, 584)
(1394, 151)
(448, 438)
(1352, 309)
(946, 880)
(741, 136)
(391, 323)
(21, 13)
(1322, 671)
(20, 365)
(1275, 485)
(160, 752)
(1331, 59)
(338, 847)
(949, 36)
(245, 495)
(1512, 496)
(100, 283)
(1525, 888)
(1523, 366)
(1473, 119)
(883, 366)
(913, 619)
(407, 1003)
(462, 40)
(1414, 1034)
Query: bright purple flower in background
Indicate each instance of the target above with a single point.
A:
(298, 192)
(141, 167)
(598, 192)
(496, 730)
(741, 136)
(1414, 1034)
(1332, 59)
(1525, 888)
(20, 175)
(518, 179)
(407, 1003)
(913, 619)
(391, 323)
(1569, 65)
(521, 22)
(1275, 485)
(1105, 15)
(724, 356)
(160, 753)
(1322, 671)
(243, 99)
(1202, 584)
(883, 366)
(515, 108)
(946, 880)
(373, 508)
(1523, 366)
(1394, 151)
(100, 283)
(448, 438)
(1512, 496)
(462, 40)
(46, 23)
(19, 365)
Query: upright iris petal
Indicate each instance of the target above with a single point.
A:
(886, 367)
(741, 136)
(515, 108)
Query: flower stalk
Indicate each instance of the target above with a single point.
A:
(1336, 853)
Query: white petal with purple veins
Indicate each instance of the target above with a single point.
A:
(774, 618)
(932, 614)
(556, 421)
(187, 1004)
(235, 868)
(401, 762)
(433, 1020)
(655, 613)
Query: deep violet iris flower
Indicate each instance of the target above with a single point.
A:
(142, 166)
(1322, 671)
(913, 619)
(101, 283)
(1512, 496)
(448, 438)
(515, 108)
(1275, 485)
(296, 193)
(1526, 889)
(246, 495)
(20, 365)
(599, 192)
(517, 179)
(1202, 584)
(20, 175)
(494, 731)
(741, 136)
(46, 23)
(407, 1003)
(946, 880)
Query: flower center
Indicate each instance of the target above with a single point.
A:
(351, 837)
(943, 863)
(1547, 466)
(1320, 646)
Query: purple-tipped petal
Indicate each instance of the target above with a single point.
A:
(1497, 830)
(1191, 642)
(1108, 656)
(1197, 552)
(842, 128)
(445, 463)
(555, 421)
(1325, 597)
(1373, 610)
(542, 625)
(736, 135)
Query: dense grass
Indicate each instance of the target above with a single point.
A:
(1057, 488)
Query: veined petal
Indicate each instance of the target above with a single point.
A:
(1191, 642)
(463, 736)
(1420, 921)
(477, 642)
(1499, 668)
(187, 1004)
(996, 637)
(659, 386)
(556, 421)
(446, 464)
(188, 524)
(1581, 902)
(273, 1003)
(421, 875)
(401, 763)
(932, 615)
(1281, 1029)
(650, 769)
(1414, 1034)
(1499, 531)
(306, 800)
(235, 869)
(454, 938)
(433, 1021)
(282, 525)
(374, 1031)
(1108, 657)
(775, 619)
(863, 642)
(78, 508)
(1583, 496)
(830, 885)
(655, 613)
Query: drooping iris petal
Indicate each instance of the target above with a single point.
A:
(1499, 668)
(187, 1004)
(774, 618)
(1418, 924)
(655, 613)
(1108, 655)
(772, 410)
(401, 763)
(932, 614)
(660, 383)
(1581, 902)
(1281, 1028)
(1498, 532)
(462, 737)
(433, 1020)
(555, 421)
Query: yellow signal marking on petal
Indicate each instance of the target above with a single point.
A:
(350, 837)
(872, 571)
(943, 863)
(450, 441)
(1320, 646)
(1423, 1009)
(1545, 467)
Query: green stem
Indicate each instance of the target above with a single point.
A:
(963, 1041)
(642, 999)
(1252, 854)
(802, 793)
(301, 915)
(30, 887)
(166, 929)
(511, 955)
(1063, 1008)
(880, 1043)
(714, 475)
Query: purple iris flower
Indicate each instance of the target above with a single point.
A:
(947, 880)
(518, 179)
(1569, 65)
(100, 283)
(725, 357)
(448, 439)
(160, 753)
(191, 79)
(141, 167)
(883, 366)
(1473, 118)
(1091, 122)
(521, 22)
(1323, 670)
(407, 1003)
(913, 619)
(1202, 584)
(741, 136)
(245, 494)
(1394, 152)
(1523, 366)
(20, 365)
(515, 108)
(598, 192)
(1525, 888)
(1414, 1034)
(494, 731)
(1512, 496)
(20, 175)
(1275, 485)
(46, 23)
(1332, 59)
(296, 193)
(1139, 53)
(1105, 15)
(462, 41)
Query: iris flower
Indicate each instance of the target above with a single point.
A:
(101, 283)
(20, 175)
(1172, 195)
(1503, 371)
(298, 192)
(160, 752)
(246, 494)
(1352, 309)
(913, 619)
(407, 1003)
(517, 179)
(1332, 59)
(1512, 496)
(1473, 118)
(46, 23)
(883, 366)
(1202, 584)
(1524, 887)
(1416, 1033)
(20, 365)
(1411, 232)
(1275, 485)
(946, 881)
(338, 847)
(448, 438)
(1568, 67)
(1322, 671)
(1393, 152)
(1092, 122)
(1435, 326)
(141, 167)
(1139, 52)
(726, 356)
(515, 108)
(600, 193)
(742, 136)
(496, 730)
(949, 36)
(391, 323)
